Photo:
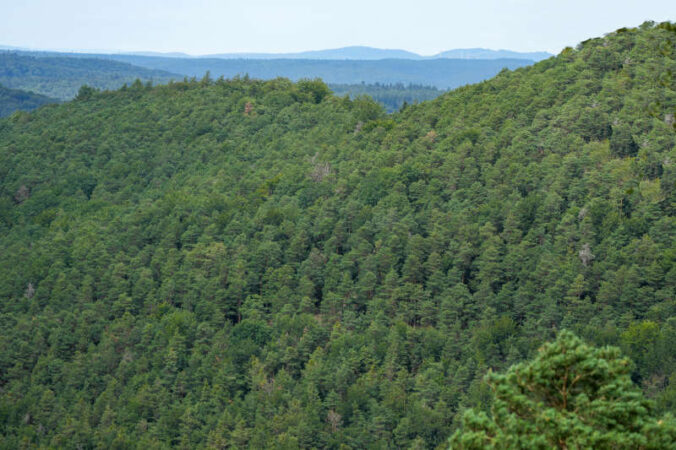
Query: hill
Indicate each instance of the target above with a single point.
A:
(353, 52)
(61, 77)
(262, 264)
(484, 53)
(17, 100)
(440, 73)
(371, 53)
(63, 74)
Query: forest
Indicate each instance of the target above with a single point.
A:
(17, 100)
(238, 263)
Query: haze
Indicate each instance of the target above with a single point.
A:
(210, 26)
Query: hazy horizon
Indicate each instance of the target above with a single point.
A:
(206, 27)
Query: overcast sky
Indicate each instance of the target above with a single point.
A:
(212, 26)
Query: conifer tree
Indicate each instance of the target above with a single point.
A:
(571, 395)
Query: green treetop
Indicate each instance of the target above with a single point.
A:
(570, 396)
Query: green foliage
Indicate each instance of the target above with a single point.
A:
(570, 396)
(258, 264)
(85, 92)
(315, 89)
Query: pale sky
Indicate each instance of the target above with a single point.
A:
(211, 26)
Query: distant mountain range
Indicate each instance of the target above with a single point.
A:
(483, 53)
(60, 75)
(371, 53)
(350, 53)
(367, 54)
(355, 52)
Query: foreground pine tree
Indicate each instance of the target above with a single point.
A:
(570, 396)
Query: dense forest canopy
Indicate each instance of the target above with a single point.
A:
(239, 263)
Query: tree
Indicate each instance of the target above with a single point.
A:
(570, 396)
(85, 92)
(622, 142)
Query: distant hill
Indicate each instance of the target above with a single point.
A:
(391, 96)
(12, 100)
(60, 77)
(358, 52)
(371, 53)
(353, 52)
(440, 73)
(484, 53)
(168, 54)
(391, 82)
(367, 53)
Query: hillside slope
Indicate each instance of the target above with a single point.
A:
(261, 264)
(61, 77)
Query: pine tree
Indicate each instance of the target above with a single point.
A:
(570, 396)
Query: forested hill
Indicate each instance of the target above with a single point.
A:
(61, 76)
(261, 264)
(17, 100)
(442, 73)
